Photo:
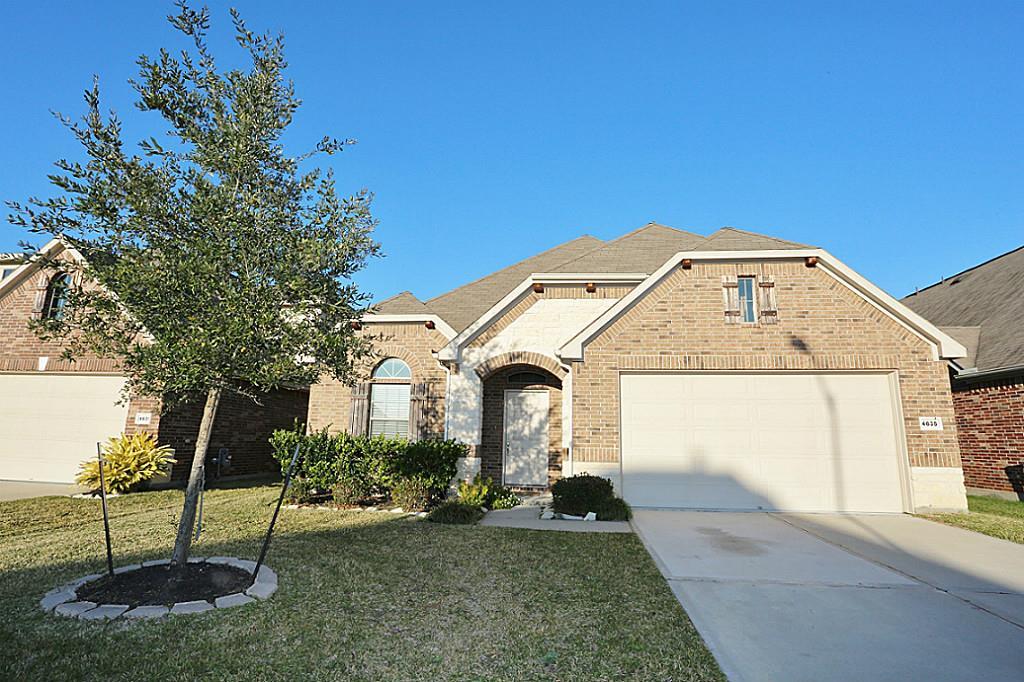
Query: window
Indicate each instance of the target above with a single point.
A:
(389, 410)
(6, 270)
(392, 368)
(746, 298)
(389, 402)
(56, 297)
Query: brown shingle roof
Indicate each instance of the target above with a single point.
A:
(642, 250)
(402, 304)
(986, 296)
(731, 239)
(461, 307)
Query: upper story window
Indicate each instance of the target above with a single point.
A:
(56, 297)
(389, 402)
(748, 312)
(392, 368)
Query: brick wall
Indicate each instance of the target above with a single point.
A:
(990, 424)
(241, 425)
(329, 400)
(493, 420)
(821, 325)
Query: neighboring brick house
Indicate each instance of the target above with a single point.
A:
(734, 371)
(982, 308)
(52, 412)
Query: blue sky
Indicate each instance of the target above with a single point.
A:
(891, 134)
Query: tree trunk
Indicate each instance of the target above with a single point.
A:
(186, 526)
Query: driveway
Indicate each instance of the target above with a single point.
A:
(829, 597)
(20, 490)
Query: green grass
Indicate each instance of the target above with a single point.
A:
(989, 515)
(362, 597)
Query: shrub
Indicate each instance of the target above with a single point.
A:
(482, 492)
(476, 492)
(375, 463)
(503, 498)
(128, 462)
(412, 494)
(299, 490)
(350, 490)
(585, 493)
(455, 512)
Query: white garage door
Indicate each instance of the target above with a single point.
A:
(799, 442)
(49, 424)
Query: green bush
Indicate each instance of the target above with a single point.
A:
(453, 511)
(503, 498)
(350, 490)
(412, 494)
(585, 493)
(476, 492)
(482, 492)
(299, 490)
(369, 465)
(128, 463)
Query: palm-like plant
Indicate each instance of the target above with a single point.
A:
(128, 461)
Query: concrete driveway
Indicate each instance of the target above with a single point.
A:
(20, 490)
(829, 597)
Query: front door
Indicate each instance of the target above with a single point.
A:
(526, 437)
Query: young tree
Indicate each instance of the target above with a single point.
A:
(222, 264)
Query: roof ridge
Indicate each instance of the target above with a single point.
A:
(399, 295)
(649, 226)
(759, 235)
(965, 271)
(518, 263)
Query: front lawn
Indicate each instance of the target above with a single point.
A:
(363, 596)
(989, 515)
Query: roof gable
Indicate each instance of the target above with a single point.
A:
(731, 239)
(402, 304)
(642, 250)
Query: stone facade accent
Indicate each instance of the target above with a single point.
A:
(990, 424)
(493, 421)
(330, 400)
(545, 362)
(821, 325)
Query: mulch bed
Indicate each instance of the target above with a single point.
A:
(164, 586)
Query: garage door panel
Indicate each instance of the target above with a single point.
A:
(49, 424)
(802, 442)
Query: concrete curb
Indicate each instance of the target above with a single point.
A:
(63, 600)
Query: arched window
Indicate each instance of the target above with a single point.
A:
(56, 297)
(389, 402)
(392, 368)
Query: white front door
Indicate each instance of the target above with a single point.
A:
(526, 437)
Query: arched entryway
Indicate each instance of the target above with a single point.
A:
(521, 427)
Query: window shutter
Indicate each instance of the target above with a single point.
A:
(731, 299)
(359, 415)
(769, 309)
(419, 404)
(41, 286)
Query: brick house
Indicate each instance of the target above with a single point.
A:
(52, 412)
(981, 308)
(733, 371)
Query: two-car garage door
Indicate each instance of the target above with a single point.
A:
(49, 423)
(787, 441)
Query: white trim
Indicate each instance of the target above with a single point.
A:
(32, 264)
(439, 324)
(943, 345)
(453, 350)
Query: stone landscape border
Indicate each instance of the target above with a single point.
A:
(64, 601)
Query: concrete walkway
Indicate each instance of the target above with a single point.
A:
(827, 597)
(21, 490)
(529, 517)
